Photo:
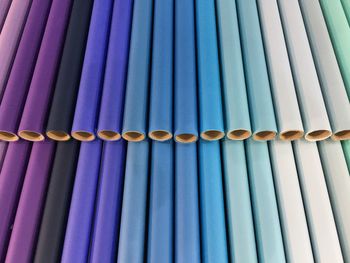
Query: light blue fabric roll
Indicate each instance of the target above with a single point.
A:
(212, 210)
(266, 219)
(187, 236)
(238, 206)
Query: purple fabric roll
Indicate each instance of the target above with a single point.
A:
(29, 211)
(42, 85)
(112, 102)
(4, 8)
(3, 148)
(109, 202)
(11, 179)
(17, 86)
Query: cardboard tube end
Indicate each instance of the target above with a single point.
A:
(133, 136)
(160, 135)
(186, 138)
(239, 134)
(60, 136)
(341, 135)
(291, 135)
(31, 136)
(318, 135)
(108, 135)
(212, 135)
(83, 136)
(264, 136)
(8, 136)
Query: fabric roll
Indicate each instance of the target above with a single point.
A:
(11, 180)
(87, 107)
(56, 208)
(237, 119)
(240, 225)
(338, 184)
(66, 88)
(108, 206)
(211, 124)
(29, 211)
(11, 34)
(3, 148)
(161, 90)
(212, 210)
(264, 205)
(19, 80)
(346, 150)
(4, 8)
(339, 31)
(187, 222)
(334, 93)
(34, 114)
(290, 203)
(136, 97)
(346, 7)
(323, 232)
(81, 212)
(290, 126)
(131, 247)
(161, 204)
(185, 74)
(112, 101)
(258, 87)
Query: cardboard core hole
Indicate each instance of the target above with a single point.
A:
(109, 135)
(58, 135)
(318, 135)
(160, 135)
(341, 135)
(133, 136)
(31, 136)
(291, 135)
(83, 136)
(264, 135)
(212, 135)
(186, 138)
(239, 134)
(8, 136)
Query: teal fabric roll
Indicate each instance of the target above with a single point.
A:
(266, 220)
(346, 149)
(212, 210)
(238, 206)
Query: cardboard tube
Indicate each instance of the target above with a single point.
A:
(318, 135)
(186, 138)
(8, 136)
(109, 135)
(160, 135)
(291, 135)
(83, 136)
(239, 134)
(31, 136)
(133, 136)
(58, 135)
(4, 8)
(212, 135)
(264, 135)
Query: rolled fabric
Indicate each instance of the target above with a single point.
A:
(346, 7)
(264, 205)
(87, 107)
(10, 36)
(290, 203)
(104, 239)
(34, 114)
(212, 209)
(185, 74)
(64, 98)
(161, 90)
(290, 126)
(187, 222)
(338, 184)
(346, 150)
(4, 8)
(112, 101)
(131, 247)
(3, 148)
(81, 212)
(21, 74)
(29, 211)
(339, 31)
(56, 208)
(136, 97)
(11, 180)
(258, 87)
(237, 120)
(211, 124)
(323, 232)
(337, 102)
(240, 225)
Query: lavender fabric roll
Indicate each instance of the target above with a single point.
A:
(11, 180)
(41, 88)
(10, 36)
(81, 213)
(3, 148)
(109, 203)
(29, 211)
(17, 86)
(86, 109)
(112, 101)
(4, 8)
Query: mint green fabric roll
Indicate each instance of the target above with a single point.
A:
(346, 150)
(346, 7)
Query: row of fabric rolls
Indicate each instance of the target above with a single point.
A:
(228, 201)
(174, 69)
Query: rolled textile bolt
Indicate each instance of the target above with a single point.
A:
(4, 8)
(346, 7)
(3, 148)
(346, 150)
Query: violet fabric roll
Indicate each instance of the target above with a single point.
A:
(161, 94)
(211, 124)
(136, 97)
(81, 212)
(109, 203)
(86, 109)
(18, 83)
(161, 208)
(56, 208)
(4, 8)
(34, 115)
(112, 101)
(63, 103)
(11, 180)
(3, 148)
(29, 211)
(185, 78)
